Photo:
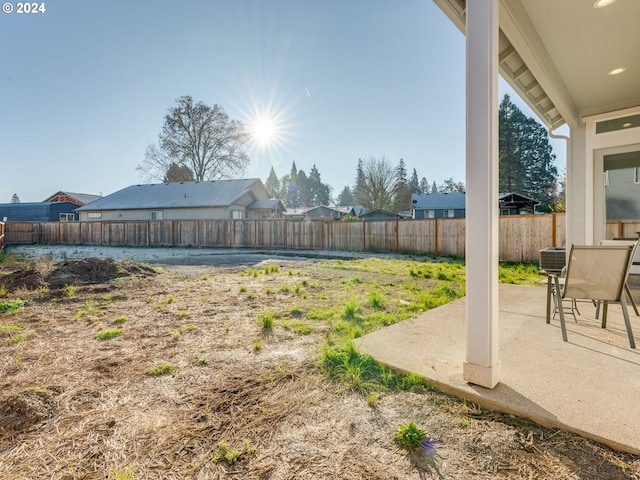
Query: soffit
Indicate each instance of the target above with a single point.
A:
(557, 55)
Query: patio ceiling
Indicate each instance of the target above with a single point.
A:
(558, 54)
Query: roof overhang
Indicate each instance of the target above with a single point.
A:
(558, 54)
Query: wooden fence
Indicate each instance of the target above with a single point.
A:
(1, 235)
(623, 229)
(521, 236)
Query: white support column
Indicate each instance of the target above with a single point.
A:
(482, 366)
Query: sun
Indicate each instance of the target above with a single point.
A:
(264, 130)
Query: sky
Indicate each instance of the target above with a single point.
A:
(85, 86)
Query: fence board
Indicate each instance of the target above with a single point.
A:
(212, 233)
(113, 233)
(270, 233)
(451, 236)
(185, 233)
(20, 232)
(347, 236)
(380, 236)
(161, 233)
(521, 237)
(91, 233)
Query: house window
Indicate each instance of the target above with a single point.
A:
(94, 215)
(448, 213)
(431, 214)
(237, 214)
(615, 124)
(67, 217)
(156, 215)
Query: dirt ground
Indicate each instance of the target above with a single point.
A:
(236, 402)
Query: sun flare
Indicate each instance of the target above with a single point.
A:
(264, 131)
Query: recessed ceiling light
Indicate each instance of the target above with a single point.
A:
(627, 125)
(602, 3)
(617, 71)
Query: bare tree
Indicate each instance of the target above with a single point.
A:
(377, 178)
(201, 138)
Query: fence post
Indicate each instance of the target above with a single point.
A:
(553, 230)
(437, 236)
(364, 235)
(397, 236)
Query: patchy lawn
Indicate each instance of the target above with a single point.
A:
(116, 370)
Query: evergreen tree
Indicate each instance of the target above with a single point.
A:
(293, 195)
(434, 188)
(414, 184)
(304, 192)
(526, 158)
(360, 188)
(424, 185)
(15, 198)
(345, 198)
(290, 189)
(320, 193)
(401, 189)
(273, 184)
(450, 185)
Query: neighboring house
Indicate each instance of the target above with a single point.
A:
(513, 203)
(79, 199)
(438, 205)
(380, 214)
(215, 199)
(325, 212)
(356, 211)
(622, 193)
(452, 205)
(38, 212)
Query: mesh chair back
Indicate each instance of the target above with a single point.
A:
(597, 272)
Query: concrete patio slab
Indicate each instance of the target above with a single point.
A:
(589, 385)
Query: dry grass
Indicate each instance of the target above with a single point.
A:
(75, 407)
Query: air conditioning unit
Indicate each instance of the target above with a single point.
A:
(553, 259)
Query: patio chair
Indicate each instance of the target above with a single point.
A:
(596, 273)
(627, 291)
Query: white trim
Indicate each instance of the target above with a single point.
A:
(482, 365)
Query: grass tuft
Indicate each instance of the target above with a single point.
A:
(162, 369)
(10, 305)
(109, 334)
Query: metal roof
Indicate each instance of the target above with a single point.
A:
(271, 204)
(436, 201)
(82, 198)
(214, 193)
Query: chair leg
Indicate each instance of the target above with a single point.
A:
(633, 302)
(558, 299)
(598, 303)
(605, 306)
(625, 314)
(549, 295)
